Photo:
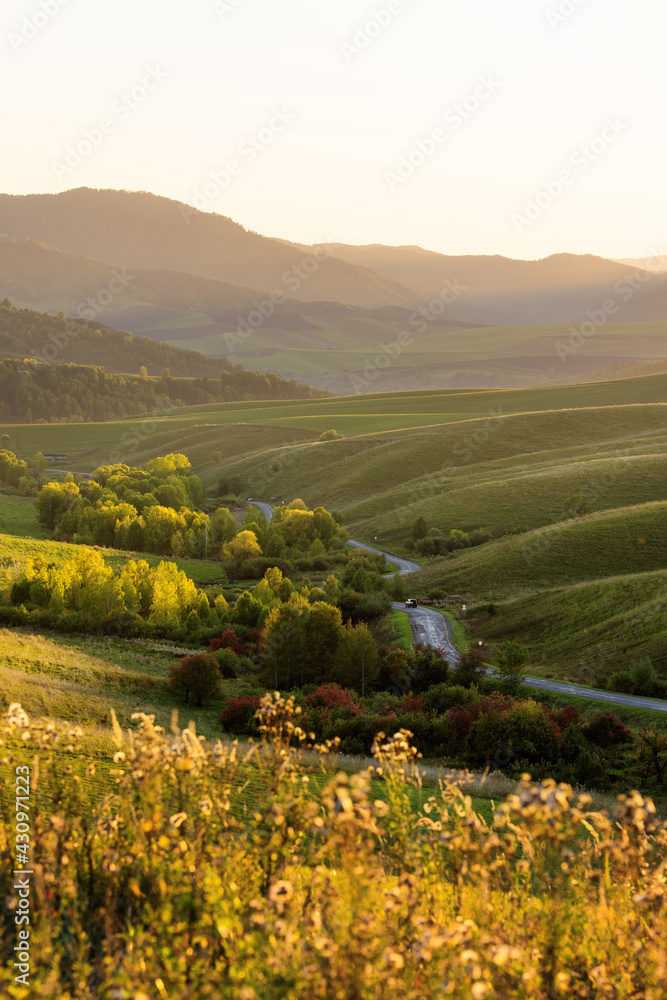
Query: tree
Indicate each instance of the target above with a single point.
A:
(511, 660)
(652, 755)
(323, 633)
(39, 463)
(356, 663)
(429, 668)
(143, 371)
(196, 677)
(419, 529)
(247, 610)
(5, 442)
(240, 550)
(283, 645)
(331, 435)
(223, 526)
(470, 669)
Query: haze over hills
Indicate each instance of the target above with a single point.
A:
(343, 318)
(141, 230)
(556, 289)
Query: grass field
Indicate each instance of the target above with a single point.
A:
(199, 429)
(576, 632)
(629, 540)
(203, 572)
(18, 516)
(403, 628)
(491, 355)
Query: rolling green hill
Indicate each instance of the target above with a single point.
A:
(611, 543)
(582, 631)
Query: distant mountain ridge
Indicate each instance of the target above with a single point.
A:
(560, 288)
(334, 316)
(146, 231)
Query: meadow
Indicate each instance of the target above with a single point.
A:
(203, 572)
(288, 422)
(170, 886)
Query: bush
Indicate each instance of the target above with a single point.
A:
(414, 703)
(332, 696)
(238, 715)
(228, 664)
(522, 730)
(196, 677)
(356, 607)
(470, 669)
(429, 667)
(228, 640)
(641, 679)
(442, 697)
(607, 730)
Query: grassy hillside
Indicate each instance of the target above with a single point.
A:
(629, 540)
(11, 548)
(577, 632)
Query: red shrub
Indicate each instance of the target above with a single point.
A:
(565, 718)
(414, 703)
(228, 640)
(332, 696)
(607, 729)
(238, 715)
(462, 717)
(255, 637)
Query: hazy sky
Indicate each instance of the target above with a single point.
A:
(522, 128)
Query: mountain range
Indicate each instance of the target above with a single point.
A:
(158, 268)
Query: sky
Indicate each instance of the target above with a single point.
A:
(523, 129)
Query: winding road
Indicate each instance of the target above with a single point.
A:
(434, 629)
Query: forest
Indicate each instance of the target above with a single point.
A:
(37, 392)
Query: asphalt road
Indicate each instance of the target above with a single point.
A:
(431, 627)
(404, 565)
(266, 508)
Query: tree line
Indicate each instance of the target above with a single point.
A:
(37, 392)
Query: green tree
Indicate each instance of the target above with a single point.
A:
(356, 663)
(284, 644)
(323, 634)
(429, 668)
(223, 526)
(240, 550)
(419, 529)
(195, 677)
(511, 660)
